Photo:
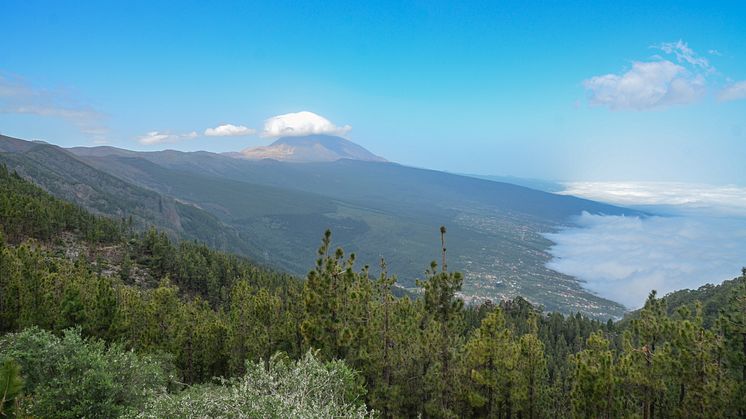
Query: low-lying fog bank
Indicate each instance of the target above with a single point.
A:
(701, 240)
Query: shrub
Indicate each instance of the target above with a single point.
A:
(306, 388)
(70, 376)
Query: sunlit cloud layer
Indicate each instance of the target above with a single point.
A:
(624, 258)
(687, 197)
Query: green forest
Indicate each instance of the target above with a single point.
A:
(100, 320)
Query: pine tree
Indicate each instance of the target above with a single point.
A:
(733, 321)
(531, 373)
(443, 328)
(324, 293)
(31, 288)
(650, 331)
(10, 284)
(491, 361)
(125, 269)
(72, 311)
(100, 307)
(162, 316)
(594, 381)
(694, 368)
(380, 343)
(407, 353)
(199, 341)
(239, 326)
(254, 325)
(11, 385)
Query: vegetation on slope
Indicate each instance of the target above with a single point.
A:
(306, 388)
(378, 209)
(273, 213)
(68, 376)
(67, 177)
(214, 315)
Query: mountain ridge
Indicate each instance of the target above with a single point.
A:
(67, 176)
(309, 148)
(375, 209)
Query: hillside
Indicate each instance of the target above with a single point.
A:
(96, 319)
(712, 298)
(66, 176)
(275, 211)
(377, 209)
(307, 149)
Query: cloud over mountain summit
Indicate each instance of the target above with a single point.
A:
(302, 123)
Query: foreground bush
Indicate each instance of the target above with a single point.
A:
(306, 388)
(72, 377)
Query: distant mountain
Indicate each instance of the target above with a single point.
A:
(377, 209)
(311, 148)
(277, 211)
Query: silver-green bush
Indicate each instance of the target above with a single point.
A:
(306, 388)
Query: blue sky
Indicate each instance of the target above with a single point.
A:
(571, 91)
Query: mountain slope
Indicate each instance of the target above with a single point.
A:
(66, 176)
(714, 298)
(379, 184)
(150, 314)
(312, 148)
(378, 210)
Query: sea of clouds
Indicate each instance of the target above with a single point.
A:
(701, 238)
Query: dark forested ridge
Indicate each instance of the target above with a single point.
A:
(65, 176)
(98, 320)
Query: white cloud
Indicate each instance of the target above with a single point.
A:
(735, 91)
(301, 123)
(678, 197)
(647, 85)
(624, 258)
(677, 76)
(684, 54)
(158, 137)
(19, 97)
(229, 130)
(153, 137)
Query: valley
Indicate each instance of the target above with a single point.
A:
(275, 212)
